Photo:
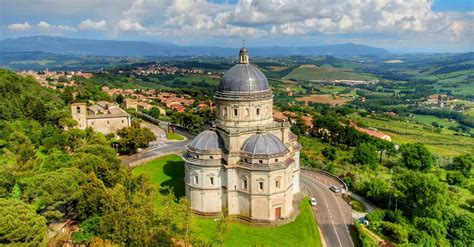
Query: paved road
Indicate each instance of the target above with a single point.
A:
(332, 212)
(161, 146)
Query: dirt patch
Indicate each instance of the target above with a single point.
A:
(325, 99)
(308, 66)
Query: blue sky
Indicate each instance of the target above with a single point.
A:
(398, 25)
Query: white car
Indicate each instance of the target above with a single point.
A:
(335, 189)
(314, 202)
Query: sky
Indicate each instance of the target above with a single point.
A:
(397, 25)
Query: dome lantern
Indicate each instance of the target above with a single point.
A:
(243, 56)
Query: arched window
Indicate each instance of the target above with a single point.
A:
(260, 184)
(195, 178)
(78, 109)
(235, 112)
(246, 112)
(244, 183)
(258, 111)
(211, 179)
(278, 182)
(224, 112)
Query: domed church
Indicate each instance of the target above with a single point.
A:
(247, 163)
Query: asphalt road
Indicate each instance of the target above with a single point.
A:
(161, 146)
(333, 214)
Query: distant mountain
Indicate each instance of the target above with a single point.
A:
(61, 45)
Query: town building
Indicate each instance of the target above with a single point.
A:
(246, 164)
(372, 132)
(104, 117)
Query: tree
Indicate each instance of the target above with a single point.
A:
(464, 164)
(134, 137)
(376, 215)
(88, 230)
(421, 195)
(93, 198)
(16, 192)
(20, 145)
(329, 153)
(455, 178)
(20, 224)
(55, 193)
(192, 122)
(396, 231)
(376, 190)
(461, 227)
(119, 99)
(67, 122)
(384, 146)
(431, 226)
(154, 112)
(416, 157)
(124, 221)
(365, 154)
(295, 129)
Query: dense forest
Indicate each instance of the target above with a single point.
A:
(52, 173)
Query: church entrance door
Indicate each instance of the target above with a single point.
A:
(278, 213)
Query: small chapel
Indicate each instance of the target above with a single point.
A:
(246, 164)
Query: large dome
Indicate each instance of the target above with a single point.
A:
(264, 145)
(243, 78)
(244, 81)
(207, 141)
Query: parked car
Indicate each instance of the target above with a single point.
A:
(313, 202)
(364, 221)
(335, 189)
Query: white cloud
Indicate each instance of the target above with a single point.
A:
(305, 17)
(270, 20)
(64, 28)
(129, 25)
(91, 25)
(43, 25)
(131, 17)
(19, 26)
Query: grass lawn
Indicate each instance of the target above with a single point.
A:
(301, 232)
(469, 112)
(169, 171)
(356, 205)
(428, 119)
(164, 171)
(174, 136)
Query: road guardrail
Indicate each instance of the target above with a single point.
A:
(346, 189)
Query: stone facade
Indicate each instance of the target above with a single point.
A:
(247, 164)
(103, 116)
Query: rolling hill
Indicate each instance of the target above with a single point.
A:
(62, 45)
(313, 72)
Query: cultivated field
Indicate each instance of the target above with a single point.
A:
(313, 72)
(325, 99)
(444, 143)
